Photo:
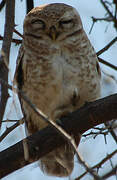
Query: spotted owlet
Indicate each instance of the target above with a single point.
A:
(58, 70)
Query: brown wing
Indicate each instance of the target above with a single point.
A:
(18, 77)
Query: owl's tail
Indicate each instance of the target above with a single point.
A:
(59, 162)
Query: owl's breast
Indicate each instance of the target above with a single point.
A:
(78, 75)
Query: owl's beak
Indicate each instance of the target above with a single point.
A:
(53, 33)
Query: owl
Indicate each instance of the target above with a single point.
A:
(58, 70)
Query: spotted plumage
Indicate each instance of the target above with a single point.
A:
(58, 70)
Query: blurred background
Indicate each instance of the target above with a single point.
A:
(92, 149)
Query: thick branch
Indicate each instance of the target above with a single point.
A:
(42, 142)
(9, 26)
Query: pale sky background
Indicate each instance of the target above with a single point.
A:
(92, 150)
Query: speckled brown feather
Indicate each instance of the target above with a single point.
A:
(58, 70)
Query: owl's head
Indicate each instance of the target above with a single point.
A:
(56, 22)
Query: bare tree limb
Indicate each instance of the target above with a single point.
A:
(95, 134)
(113, 17)
(105, 103)
(110, 129)
(107, 63)
(107, 47)
(18, 33)
(111, 173)
(11, 128)
(99, 165)
(94, 20)
(9, 26)
(90, 170)
(42, 142)
(9, 120)
(60, 131)
(34, 144)
(16, 41)
(106, 8)
(108, 19)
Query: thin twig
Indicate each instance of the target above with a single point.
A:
(108, 19)
(11, 128)
(107, 63)
(91, 27)
(110, 173)
(9, 120)
(105, 49)
(114, 20)
(96, 133)
(106, 8)
(94, 20)
(107, 46)
(16, 41)
(113, 134)
(109, 156)
(18, 33)
(89, 170)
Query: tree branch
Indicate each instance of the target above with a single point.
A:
(99, 165)
(107, 47)
(18, 33)
(9, 26)
(110, 173)
(106, 8)
(107, 63)
(42, 142)
(11, 128)
(16, 41)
